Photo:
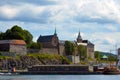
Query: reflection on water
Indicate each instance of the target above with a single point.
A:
(61, 77)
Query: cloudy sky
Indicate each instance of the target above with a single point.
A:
(97, 20)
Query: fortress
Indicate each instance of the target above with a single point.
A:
(52, 44)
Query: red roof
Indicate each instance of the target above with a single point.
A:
(18, 42)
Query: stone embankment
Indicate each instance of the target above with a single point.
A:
(25, 61)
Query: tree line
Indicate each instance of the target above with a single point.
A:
(99, 56)
(80, 50)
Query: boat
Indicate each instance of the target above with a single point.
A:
(8, 74)
(111, 71)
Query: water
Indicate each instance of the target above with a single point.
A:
(61, 77)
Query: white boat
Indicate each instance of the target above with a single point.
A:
(8, 73)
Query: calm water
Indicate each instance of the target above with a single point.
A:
(61, 77)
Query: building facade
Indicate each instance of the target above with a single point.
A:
(13, 46)
(89, 46)
(50, 43)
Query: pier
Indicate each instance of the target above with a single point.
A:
(60, 69)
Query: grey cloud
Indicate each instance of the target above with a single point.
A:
(36, 2)
(87, 19)
(29, 17)
(105, 42)
(26, 14)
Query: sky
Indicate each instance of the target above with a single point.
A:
(97, 20)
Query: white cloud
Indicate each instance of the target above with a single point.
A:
(8, 12)
(95, 18)
(99, 11)
(105, 41)
(31, 9)
(112, 28)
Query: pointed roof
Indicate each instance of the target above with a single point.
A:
(55, 33)
(79, 36)
(105, 57)
(47, 38)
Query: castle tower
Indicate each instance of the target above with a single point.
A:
(79, 38)
(55, 33)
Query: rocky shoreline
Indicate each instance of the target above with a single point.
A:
(24, 61)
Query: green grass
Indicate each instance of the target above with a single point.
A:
(49, 56)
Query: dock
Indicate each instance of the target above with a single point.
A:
(60, 69)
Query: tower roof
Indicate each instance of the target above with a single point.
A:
(79, 36)
(55, 33)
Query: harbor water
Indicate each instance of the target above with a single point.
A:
(60, 77)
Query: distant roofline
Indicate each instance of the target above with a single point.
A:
(46, 35)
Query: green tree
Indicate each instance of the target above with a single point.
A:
(16, 28)
(69, 48)
(82, 52)
(28, 37)
(97, 55)
(112, 58)
(35, 45)
(2, 35)
(17, 32)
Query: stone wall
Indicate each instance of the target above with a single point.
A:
(18, 49)
(74, 59)
(46, 44)
(61, 49)
(33, 50)
(90, 52)
(49, 50)
(44, 51)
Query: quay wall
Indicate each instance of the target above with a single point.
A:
(58, 69)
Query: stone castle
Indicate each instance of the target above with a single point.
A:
(89, 46)
(52, 44)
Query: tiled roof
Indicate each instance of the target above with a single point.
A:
(47, 38)
(19, 42)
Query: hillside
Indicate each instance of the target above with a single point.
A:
(25, 61)
(107, 54)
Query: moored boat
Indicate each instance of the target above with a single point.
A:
(111, 71)
(8, 74)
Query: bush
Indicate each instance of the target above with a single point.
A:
(35, 45)
(49, 57)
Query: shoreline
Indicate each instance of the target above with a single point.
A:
(62, 70)
(61, 73)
